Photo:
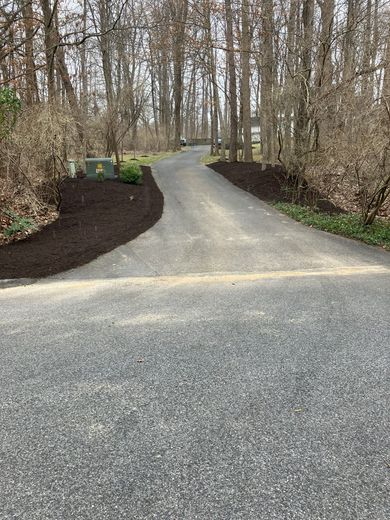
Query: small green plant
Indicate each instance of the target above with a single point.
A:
(18, 225)
(131, 174)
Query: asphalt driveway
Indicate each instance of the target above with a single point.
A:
(229, 363)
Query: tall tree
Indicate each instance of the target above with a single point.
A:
(245, 83)
(32, 94)
(233, 145)
(179, 10)
(49, 14)
(267, 77)
(302, 133)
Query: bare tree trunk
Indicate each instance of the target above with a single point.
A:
(180, 11)
(154, 101)
(112, 143)
(267, 109)
(324, 73)
(375, 43)
(84, 82)
(289, 82)
(213, 83)
(32, 95)
(190, 105)
(204, 116)
(50, 45)
(214, 122)
(245, 84)
(193, 111)
(386, 77)
(367, 50)
(302, 135)
(70, 92)
(232, 83)
(164, 98)
(349, 52)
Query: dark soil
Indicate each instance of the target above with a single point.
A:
(270, 184)
(95, 217)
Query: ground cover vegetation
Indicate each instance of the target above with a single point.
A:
(349, 225)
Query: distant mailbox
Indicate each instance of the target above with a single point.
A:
(99, 168)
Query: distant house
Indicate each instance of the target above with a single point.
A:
(255, 129)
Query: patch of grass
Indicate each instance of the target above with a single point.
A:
(257, 157)
(131, 174)
(208, 159)
(146, 159)
(348, 225)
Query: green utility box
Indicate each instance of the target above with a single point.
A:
(99, 168)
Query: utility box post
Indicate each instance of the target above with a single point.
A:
(72, 167)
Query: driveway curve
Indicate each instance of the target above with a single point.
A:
(228, 364)
(210, 226)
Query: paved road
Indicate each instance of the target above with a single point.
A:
(227, 364)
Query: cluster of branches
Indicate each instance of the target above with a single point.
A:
(309, 79)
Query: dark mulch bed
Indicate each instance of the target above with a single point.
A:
(95, 217)
(270, 184)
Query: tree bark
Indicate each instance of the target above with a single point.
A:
(324, 72)
(232, 83)
(50, 46)
(179, 11)
(105, 44)
(302, 135)
(245, 85)
(289, 75)
(267, 108)
(32, 94)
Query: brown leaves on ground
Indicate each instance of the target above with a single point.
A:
(21, 206)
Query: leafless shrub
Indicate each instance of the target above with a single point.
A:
(33, 159)
(355, 158)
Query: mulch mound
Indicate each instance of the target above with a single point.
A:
(269, 184)
(95, 217)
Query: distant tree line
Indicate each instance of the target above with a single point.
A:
(125, 74)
